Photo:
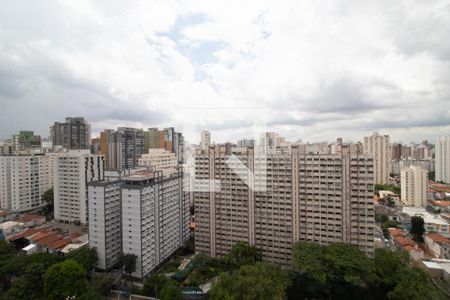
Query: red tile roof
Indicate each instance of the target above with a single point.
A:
(441, 203)
(61, 243)
(40, 235)
(438, 238)
(49, 239)
(404, 241)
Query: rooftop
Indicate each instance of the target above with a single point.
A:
(427, 217)
(28, 218)
(438, 238)
(26, 233)
(441, 203)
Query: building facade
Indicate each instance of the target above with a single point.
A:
(105, 213)
(414, 186)
(24, 179)
(443, 159)
(319, 198)
(145, 213)
(74, 134)
(205, 140)
(244, 143)
(25, 140)
(159, 159)
(73, 170)
(122, 148)
(378, 146)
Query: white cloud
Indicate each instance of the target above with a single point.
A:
(314, 70)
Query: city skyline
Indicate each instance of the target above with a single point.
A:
(313, 71)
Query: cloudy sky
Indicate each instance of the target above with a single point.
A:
(311, 70)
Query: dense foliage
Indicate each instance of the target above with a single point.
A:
(417, 228)
(66, 280)
(48, 276)
(85, 256)
(48, 200)
(170, 291)
(259, 281)
(337, 271)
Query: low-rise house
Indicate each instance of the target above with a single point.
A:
(10, 228)
(438, 244)
(443, 206)
(400, 241)
(437, 268)
(77, 243)
(6, 216)
(433, 223)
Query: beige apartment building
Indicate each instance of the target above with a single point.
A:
(159, 159)
(378, 146)
(24, 179)
(321, 198)
(414, 186)
(443, 159)
(73, 170)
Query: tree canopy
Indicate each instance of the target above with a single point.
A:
(85, 256)
(417, 228)
(128, 261)
(64, 280)
(242, 254)
(259, 281)
(154, 284)
(170, 291)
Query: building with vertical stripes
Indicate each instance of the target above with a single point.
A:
(320, 198)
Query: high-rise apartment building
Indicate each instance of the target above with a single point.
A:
(396, 151)
(154, 139)
(205, 140)
(443, 159)
(378, 146)
(122, 148)
(244, 143)
(174, 142)
(145, 212)
(269, 142)
(73, 170)
(105, 230)
(414, 186)
(75, 133)
(24, 179)
(320, 198)
(25, 140)
(6, 147)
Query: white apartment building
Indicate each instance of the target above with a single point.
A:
(142, 212)
(205, 139)
(443, 159)
(24, 179)
(320, 198)
(378, 146)
(105, 232)
(155, 218)
(73, 170)
(414, 186)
